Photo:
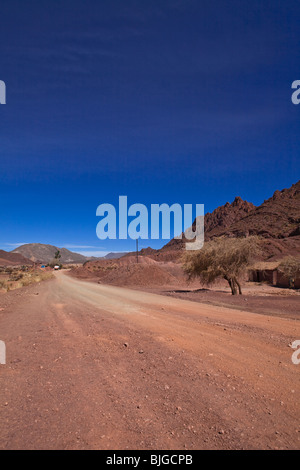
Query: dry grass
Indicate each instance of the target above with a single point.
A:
(17, 279)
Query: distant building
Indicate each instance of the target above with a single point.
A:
(268, 272)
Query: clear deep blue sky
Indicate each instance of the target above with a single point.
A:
(163, 101)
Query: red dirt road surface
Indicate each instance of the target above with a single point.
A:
(93, 366)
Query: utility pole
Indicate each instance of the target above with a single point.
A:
(137, 250)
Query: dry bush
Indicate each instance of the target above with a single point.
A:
(226, 258)
(16, 277)
(290, 268)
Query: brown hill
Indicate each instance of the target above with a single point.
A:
(13, 259)
(126, 271)
(45, 253)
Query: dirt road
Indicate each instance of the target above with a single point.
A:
(100, 367)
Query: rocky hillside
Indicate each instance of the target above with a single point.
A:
(278, 217)
(222, 218)
(277, 221)
(218, 221)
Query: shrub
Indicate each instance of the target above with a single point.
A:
(290, 268)
(226, 258)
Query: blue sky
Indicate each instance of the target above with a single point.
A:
(170, 101)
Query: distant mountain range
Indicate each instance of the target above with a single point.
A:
(32, 253)
(40, 253)
(113, 255)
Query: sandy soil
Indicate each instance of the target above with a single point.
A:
(168, 278)
(92, 366)
(256, 298)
